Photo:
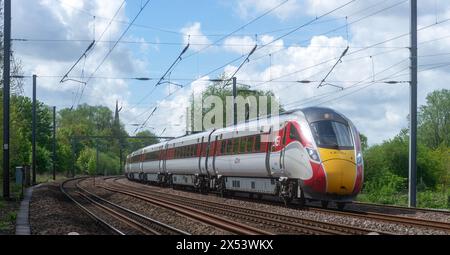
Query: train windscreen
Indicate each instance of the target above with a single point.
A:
(332, 134)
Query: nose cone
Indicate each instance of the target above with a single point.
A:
(340, 170)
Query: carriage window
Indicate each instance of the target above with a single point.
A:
(250, 144)
(258, 143)
(243, 144)
(205, 146)
(293, 134)
(230, 146)
(223, 146)
(332, 134)
(235, 145)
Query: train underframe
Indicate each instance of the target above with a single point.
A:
(288, 190)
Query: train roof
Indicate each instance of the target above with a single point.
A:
(188, 139)
(251, 127)
(314, 114)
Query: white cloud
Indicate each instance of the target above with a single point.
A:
(241, 45)
(171, 113)
(378, 110)
(251, 8)
(65, 21)
(194, 35)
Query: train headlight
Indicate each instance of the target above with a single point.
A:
(313, 154)
(359, 158)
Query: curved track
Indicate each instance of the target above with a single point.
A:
(130, 222)
(82, 204)
(282, 223)
(416, 222)
(403, 208)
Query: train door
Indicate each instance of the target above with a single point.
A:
(209, 148)
(164, 158)
(286, 131)
(201, 157)
(161, 159)
(212, 155)
(213, 161)
(277, 151)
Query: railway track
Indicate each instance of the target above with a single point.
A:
(416, 222)
(83, 205)
(94, 205)
(389, 218)
(217, 221)
(402, 208)
(287, 224)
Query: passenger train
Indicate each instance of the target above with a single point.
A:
(308, 154)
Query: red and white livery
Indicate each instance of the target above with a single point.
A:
(312, 153)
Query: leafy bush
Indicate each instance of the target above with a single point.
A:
(12, 216)
(430, 199)
(87, 155)
(385, 187)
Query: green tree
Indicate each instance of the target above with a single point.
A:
(434, 119)
(364, 142)
(21, 133)
(222, 88)
(137, 143)
(43, 160)
(91, 166)
(86, 155)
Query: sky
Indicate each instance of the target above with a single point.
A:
(297, 40)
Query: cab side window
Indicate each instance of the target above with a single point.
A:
(293, 134)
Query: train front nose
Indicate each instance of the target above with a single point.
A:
(340, 170)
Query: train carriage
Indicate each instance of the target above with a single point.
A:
(313, 153)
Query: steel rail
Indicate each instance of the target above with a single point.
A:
(302, 225)
(399, 207)
(439, 225)
(142, 221)
(202, 216)
(87, 211)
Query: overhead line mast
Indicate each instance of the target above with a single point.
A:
(6, 92)
(413, 109)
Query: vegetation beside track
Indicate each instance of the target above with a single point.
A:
(9, 210)
(386, 164)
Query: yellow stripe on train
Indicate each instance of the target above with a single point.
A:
(340, 169)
